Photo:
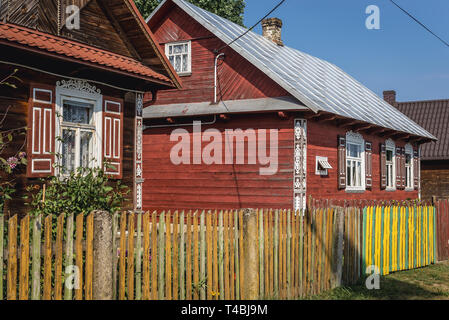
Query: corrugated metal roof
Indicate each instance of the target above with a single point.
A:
(434, 117)
(320, 85)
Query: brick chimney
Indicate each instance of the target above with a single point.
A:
(272, 30)
(390, 97)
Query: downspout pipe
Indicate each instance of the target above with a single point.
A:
(216, 76)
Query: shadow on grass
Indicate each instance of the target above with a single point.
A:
(390, 289)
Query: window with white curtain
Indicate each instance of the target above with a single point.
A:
(78, 132)
(390, 164)
(180, 56)
(409, 185)
(355, 162)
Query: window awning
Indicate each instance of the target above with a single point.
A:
(324, 164)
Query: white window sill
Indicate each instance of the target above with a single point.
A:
(185, 74)
(390, 189)
(355, 190)
(409, 189)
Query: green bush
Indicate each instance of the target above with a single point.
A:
(81, 191)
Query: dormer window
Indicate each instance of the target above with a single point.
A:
(180, 56)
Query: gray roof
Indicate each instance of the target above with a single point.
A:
(231, 106)
(319, 84)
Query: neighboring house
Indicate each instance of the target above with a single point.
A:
(433, 115)
(85, 86)
(337, 139)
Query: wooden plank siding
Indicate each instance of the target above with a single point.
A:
(238, 79)
(17, 101)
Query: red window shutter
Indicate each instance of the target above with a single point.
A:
(341, 162)
(404, 183)
(113, 136)
(416, 169)
(383, 166)
(369, 164)
(41, 131)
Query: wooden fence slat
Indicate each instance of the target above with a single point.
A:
(288, 256)
(226, 254)
(175, 256)
(215, 256)
(189, 257)
(11, 282)
(210, 244)
(231, 257)
(36, 256)
(236, 253)
(202, 257)
(271, 254)
(47, 258)
(266, 255)
(161, 256)
(79, 225)
(138, 254)
(293, 264)
(281, 255)
(122, 261)
(2, 231)
(90, 256)
(115, 253)
(69, 253)
(276, 254)
(24, 258)
(146, 257)
(59, 256)
(168, 274)
(196, 273)
(130, 255)
(182, 285)
(154, 257)
(221, 277)
(241, 253)
(261, 253)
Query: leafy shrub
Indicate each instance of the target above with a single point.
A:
(80, 191)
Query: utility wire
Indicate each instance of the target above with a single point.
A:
(255, 25)
(419, 22)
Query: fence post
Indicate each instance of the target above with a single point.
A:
(103, 256)
(340, 240)
(250, 286)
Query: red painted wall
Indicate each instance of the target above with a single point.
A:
(238, 78)
(322, 141)
(168, 186)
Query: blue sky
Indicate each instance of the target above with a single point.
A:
(400, 56)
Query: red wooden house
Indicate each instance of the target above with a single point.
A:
(328, 136)
(82, 76)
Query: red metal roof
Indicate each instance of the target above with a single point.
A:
(432, 115)
(76, 50)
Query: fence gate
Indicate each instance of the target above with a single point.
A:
(300, 169)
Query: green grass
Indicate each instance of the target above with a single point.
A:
(428, 283)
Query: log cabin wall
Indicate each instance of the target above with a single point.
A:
(238, 78)
(16, 100)
(201, 186)
(434, 179)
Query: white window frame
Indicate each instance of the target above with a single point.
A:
(319, 172)
(96, 99)
(189, 55)
(391, 146)
(409, 151)
(356, 139)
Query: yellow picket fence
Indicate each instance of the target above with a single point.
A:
(399, 237)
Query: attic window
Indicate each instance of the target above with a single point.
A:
(180, 56)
